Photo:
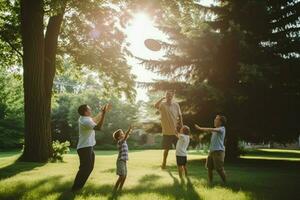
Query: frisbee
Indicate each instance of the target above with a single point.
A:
(152, 44)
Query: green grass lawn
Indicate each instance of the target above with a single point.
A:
(263, 174)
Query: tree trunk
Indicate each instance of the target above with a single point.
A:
(50, 58)
(37, 138)
(233, 151)
(39, 70)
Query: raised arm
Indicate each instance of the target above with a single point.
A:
(207, 129)
(97, 118)
(157, 104)
(180, 117)
(127, 133)
(101, 116)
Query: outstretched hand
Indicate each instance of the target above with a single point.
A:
(106, 108)
(197, 127)
(130, 129)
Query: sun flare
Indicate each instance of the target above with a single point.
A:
(141, 28)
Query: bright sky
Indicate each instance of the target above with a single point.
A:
(140, 29)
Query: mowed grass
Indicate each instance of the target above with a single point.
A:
(263, 174)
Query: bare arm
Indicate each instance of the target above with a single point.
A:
(157, 104)
(101, 116)
(181, 120)
(127, 133)
(207, 129)
(97, 118)
(180, 117)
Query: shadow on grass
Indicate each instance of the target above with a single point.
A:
(146, 185)
(40, 189)
(272, 154)
(55, 188)
(184, 191)
(111, 170)
(10, 153)
(17, 167)
(18, 190)
(150, 184)
(265, 163)
(87, 191)
(262, 179)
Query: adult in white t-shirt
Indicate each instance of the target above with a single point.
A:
(171, 120)
(87, 126)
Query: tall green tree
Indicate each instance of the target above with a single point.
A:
(84, 30)
(221, 60)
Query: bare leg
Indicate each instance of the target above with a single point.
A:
(185, 170)
(118, 183)
(122, 183)
(222, 174)
(210, 176)
(165, 156)
(180, 171)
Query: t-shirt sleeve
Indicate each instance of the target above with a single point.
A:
(220, 130)
(88, 123)
(181, 137)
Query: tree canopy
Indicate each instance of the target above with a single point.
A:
(237, 58)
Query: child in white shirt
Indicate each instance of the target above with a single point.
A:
(181, 150)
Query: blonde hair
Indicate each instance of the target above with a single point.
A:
(116, 134)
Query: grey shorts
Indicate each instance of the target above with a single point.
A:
(121, 168)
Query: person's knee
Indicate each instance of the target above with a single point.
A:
(221, 171)
(85, 166)
(166, 152)
(90, 168)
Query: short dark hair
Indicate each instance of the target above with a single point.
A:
(186, 130)
(82, 109)
(116, 134)
(223, 120)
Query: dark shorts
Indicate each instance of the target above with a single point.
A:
(168, 141)
(181, 160)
